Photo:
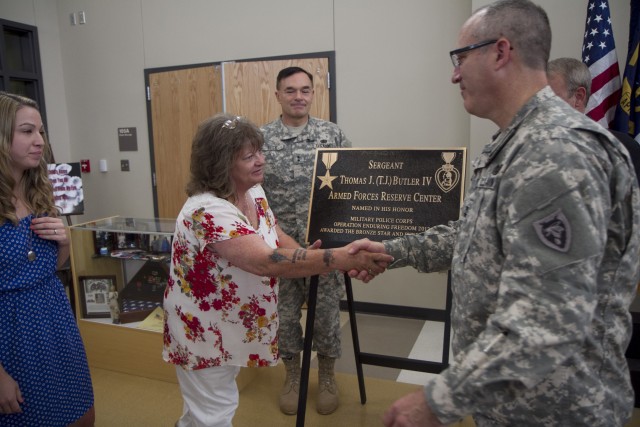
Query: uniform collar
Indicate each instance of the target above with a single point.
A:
(500, 138)
(304, 135)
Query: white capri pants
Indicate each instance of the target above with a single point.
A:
(210, 396)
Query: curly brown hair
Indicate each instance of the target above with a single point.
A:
(216, 145)
(34, 182)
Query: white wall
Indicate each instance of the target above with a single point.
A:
(393, 80)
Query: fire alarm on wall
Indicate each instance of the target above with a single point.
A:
(85, 166)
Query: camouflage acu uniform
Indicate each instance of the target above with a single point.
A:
(544, 269)
(287, 183)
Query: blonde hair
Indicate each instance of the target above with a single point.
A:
(34, 182)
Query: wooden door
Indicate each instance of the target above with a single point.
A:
(250, 87)
(180, 100)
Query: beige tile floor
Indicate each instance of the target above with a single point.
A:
(131, 401)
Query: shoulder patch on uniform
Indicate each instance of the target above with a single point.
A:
(554, 231)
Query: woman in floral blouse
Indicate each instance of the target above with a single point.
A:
(228, 250)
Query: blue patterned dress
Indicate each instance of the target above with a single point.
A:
(40, 345)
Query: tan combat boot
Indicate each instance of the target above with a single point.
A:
(327, 387)
(291, 388)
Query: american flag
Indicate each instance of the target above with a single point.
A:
(599, 53)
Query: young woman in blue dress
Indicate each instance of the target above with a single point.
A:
(44, 376)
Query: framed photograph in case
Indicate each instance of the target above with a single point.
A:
(94, 295)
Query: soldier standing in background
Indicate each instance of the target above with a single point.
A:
(570, 79)
(289, 149)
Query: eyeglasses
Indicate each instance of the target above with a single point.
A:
(231, 123)
(455, 54)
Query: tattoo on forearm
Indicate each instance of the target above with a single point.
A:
(299, 254)
(328, 257)
(277, 257)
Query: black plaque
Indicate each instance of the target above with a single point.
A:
(381, 194)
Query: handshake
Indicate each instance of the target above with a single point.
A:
(361, 259)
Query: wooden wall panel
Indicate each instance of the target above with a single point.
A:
(250, 88)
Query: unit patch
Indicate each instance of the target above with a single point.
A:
(554, 231)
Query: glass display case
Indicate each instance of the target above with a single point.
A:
(128, 256)
(120, 268)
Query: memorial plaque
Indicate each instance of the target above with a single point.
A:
(381, 193)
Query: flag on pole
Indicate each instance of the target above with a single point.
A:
(627, 118)
(599, 53)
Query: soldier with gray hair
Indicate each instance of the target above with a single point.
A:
(570, 79)
(544, 257)
(573, 77)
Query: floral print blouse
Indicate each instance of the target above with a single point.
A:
(215, 313)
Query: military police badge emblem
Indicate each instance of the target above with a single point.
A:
(554, 231)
